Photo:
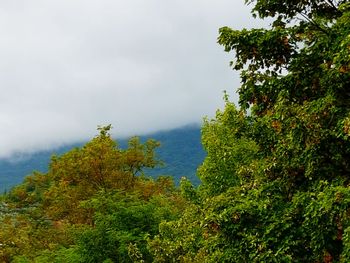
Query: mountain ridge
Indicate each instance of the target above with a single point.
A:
(180, 150)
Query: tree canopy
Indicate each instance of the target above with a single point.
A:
(94, 204)
(276, 178)
(275, 182)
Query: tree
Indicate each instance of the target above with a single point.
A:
(276, 179)
(99, 165)
(122, 221)
(94, 205)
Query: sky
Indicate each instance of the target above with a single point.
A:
(67, 66)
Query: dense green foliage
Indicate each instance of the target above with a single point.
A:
(276, 178)
(275, 182)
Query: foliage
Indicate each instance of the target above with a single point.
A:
(94, 205)
(119, 221)
(275, 182)
(276, 178)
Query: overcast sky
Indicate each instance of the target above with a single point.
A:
(67, 66)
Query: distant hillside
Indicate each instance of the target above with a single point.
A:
(180, 150)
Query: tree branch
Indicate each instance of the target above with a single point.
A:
(332, 4)
(313, 22)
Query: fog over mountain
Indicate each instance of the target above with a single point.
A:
(68, 66)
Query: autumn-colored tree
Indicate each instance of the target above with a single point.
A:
(95, 204)
(98, 165)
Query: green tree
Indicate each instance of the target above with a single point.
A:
(276, 179)
(122, 220)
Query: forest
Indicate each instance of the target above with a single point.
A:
(275, 183)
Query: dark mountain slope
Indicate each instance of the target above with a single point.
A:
(180, 150)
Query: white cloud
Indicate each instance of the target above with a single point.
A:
(67, 66)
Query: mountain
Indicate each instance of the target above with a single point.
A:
(180, 150)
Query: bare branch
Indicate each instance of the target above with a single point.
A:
(331, 3)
